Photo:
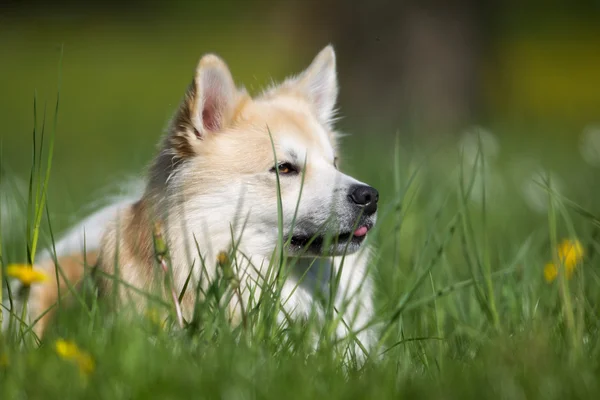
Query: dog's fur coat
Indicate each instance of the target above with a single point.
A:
(215, 179)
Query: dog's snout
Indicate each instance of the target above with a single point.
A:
(366, 197)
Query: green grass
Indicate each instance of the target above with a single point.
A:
(466, 311)
(462, 240)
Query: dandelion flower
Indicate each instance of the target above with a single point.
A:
(65, 349)
(68, 350)
(26, 274)
(570, 254)
(222, 258)
(225, 263)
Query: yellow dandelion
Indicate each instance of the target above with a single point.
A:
(570, 254)
(222, 258)
(68, 350)
(225, 264)
(26, 274)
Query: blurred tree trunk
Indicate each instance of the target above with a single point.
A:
(406, 61)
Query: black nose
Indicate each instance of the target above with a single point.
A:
(366, 197)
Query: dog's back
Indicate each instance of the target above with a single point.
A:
(78, 247)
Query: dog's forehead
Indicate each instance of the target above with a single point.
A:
(294, 128)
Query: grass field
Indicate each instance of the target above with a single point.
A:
(467, 229)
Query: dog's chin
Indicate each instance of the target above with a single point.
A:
(328, 244)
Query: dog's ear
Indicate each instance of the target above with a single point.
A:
(214, 95)
(319, 84)
(207, 107)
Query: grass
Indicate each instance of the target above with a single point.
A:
(462, 241)
(465, 308)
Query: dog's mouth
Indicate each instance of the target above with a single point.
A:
(319, 243)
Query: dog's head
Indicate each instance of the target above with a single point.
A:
(228, 158)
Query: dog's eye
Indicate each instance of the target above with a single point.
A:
(285, 168)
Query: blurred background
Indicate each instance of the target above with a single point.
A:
(427, 75)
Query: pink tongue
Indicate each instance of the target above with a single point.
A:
(362, 231)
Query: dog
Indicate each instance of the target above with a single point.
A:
(236, 178)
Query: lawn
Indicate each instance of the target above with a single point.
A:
(486, 241)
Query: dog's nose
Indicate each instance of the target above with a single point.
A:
(366, 197)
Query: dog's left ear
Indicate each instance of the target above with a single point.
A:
(319, 84)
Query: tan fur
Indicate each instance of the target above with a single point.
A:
(73, 268)
(128, 252)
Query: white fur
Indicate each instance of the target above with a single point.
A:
(202, 209)
(87, 234)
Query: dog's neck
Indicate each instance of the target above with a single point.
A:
(314, 273)
(200, 251)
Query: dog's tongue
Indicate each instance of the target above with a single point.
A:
(361, 231)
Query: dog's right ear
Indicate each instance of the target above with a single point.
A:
(208, 105)
(215, 95)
